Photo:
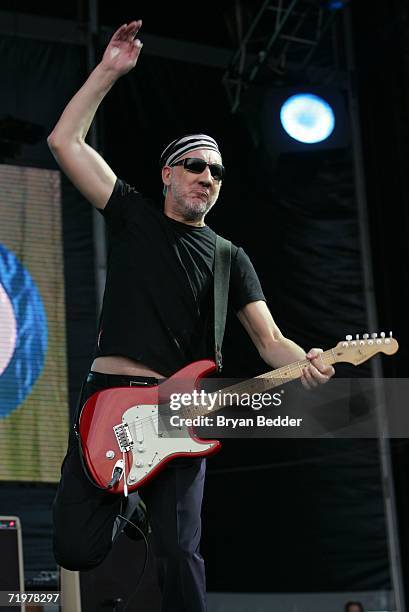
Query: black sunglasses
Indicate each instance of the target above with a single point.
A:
(197, 166)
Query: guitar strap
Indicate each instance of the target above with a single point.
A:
(222, 261)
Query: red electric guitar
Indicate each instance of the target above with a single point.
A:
(123, 444)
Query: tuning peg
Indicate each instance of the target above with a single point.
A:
(382, 334)
(366, 336)
(390, 334)
(374, 335)
(357, 337)
(349, 337)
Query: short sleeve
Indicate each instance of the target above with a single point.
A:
(245, 286)
(120, 205)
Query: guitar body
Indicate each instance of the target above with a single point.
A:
(136, 410)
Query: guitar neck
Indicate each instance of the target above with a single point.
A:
(354, 351)
(230, 396)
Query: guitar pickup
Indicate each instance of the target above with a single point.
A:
(123, 437)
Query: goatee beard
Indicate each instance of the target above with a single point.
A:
(190, 214)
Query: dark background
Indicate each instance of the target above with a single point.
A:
(313, 508)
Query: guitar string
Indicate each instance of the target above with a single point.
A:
(292, 372)
(266, 378)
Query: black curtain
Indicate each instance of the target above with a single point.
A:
(382, 53)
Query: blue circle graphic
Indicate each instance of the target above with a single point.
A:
(30, 350)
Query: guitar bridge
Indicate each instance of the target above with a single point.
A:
(123, 437)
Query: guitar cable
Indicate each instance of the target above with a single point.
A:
(144, 563)
(125, 477)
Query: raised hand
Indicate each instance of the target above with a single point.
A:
(123, 49)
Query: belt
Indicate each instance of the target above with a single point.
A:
(122, 380)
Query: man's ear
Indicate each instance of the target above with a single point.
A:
(166, 173)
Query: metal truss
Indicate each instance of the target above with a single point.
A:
(282, 32)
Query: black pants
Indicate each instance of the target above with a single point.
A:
(84, 516)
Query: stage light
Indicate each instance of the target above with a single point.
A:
(277, 131)
(336, 5)
(307, 118)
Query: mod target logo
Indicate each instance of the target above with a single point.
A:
(23, 332)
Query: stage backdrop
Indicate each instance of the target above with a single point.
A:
(33, 372)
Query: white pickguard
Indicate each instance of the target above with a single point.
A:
(150, 447)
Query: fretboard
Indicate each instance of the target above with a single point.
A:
(231, 396)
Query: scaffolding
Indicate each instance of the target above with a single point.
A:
(282, 36)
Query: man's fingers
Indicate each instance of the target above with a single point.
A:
(314, 352)
(136, 28)
(306, 380)
(128, 30)
(313, 377)
(132, 29)
(119, 31)
(315, 357)
(328, 371)
(316, 372)
(319, 365)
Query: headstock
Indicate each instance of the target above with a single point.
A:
(357, 350)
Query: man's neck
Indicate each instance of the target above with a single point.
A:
(176, 217)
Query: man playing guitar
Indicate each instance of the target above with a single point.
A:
(154, 321)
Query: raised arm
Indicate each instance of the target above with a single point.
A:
(81, 163)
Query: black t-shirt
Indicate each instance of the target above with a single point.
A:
(158, 300)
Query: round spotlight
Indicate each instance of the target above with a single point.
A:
(307, 118)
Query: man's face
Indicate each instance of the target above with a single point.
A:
(192, 195)
(354, 608)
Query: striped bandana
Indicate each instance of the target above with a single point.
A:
(177, 148)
